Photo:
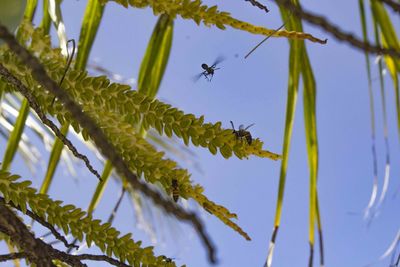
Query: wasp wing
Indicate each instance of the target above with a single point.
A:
(218, 60)
(249, 126)
(197, 77)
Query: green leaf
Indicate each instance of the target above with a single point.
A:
(156, 57)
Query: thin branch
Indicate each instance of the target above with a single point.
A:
(258, 4)
(265, 39)
(91, 257)
(36, 250)
(12, 256)
(102, 142)
(394, 5)
(35, 217)
(336, 31)
(35, 106)
(114, 212)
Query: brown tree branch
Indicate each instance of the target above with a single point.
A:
(35, 217)
(258, 4)
(12, 256)
(92, 257)
(35, 106)
(102, 142)
(336, 31)
(36, 250)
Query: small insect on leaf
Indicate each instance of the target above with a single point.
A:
(243, 133)
(175, 189)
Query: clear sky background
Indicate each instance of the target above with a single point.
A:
(254, 91)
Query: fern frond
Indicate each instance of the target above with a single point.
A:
(75, 221)
(116, 109)
(198, 12)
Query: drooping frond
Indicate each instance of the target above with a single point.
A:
(195, 10)
(116, 109)
(75, 221)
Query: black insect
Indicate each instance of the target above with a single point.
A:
(208, 72)
(243, 133)
(175, 190)
(166, 259)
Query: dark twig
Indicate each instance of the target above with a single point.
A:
(12, 256)
(336, 31)
(258, 4)
(102, 142)
(114, 212)
(91, 257)
(36, 250)
(394, 5)
(69, 61)
(35, 106)
(265, 39)
(35, 217)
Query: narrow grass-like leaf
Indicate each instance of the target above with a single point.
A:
(393, 73)
(15, 136)
(309, 100)
(294, 73)
(156, 57)
(54, 10)
(386, 179)
(100, 187)
(91, 21)
(90, 24)
(381, 17)
(54, 159)
(45, 23)
(374, 192)
(303, 67)
(30, 9)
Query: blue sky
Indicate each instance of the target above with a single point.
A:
(254, 91)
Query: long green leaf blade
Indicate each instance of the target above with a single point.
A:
(54, 159)
(45, 23)
(374, 191)
(381, 17)
(16, 134)
(90, 24)
(309, 100)
(156, 57)
(91, 21)
(294, 74)
(100, 187)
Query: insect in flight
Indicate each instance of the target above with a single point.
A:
(175, 190)
(208, 72)
(243, 133)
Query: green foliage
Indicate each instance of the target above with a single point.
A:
(156, 57)
(198, 12)
(117, 109)
(75, 221)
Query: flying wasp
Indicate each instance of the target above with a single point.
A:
(208, 72)
(175, 189)
(243, 133)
